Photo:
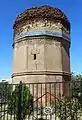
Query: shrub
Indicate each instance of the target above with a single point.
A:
(26, 102)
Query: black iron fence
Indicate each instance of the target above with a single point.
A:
(41, 101)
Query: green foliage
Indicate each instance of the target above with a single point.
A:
(67, 109)
(77, 77)
(77, 87)
(5, 91)
(70, 109)
(26, 102)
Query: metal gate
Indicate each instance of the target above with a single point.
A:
(41, 101)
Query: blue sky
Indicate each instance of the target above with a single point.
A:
(9, 9)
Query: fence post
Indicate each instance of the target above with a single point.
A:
(19, 117)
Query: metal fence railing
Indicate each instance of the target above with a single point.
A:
(41, 101)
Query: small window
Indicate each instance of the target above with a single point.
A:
(34, 56)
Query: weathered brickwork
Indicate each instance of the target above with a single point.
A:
(41, 48)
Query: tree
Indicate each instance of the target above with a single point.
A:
(77, 87)
(77, 77)
(26, 102)
(67, 109)
(5, 91)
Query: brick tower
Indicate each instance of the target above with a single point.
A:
(41, 46)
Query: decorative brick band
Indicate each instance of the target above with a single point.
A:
(57, 34)
(40, 39)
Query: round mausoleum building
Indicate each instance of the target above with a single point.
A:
(41, 46)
